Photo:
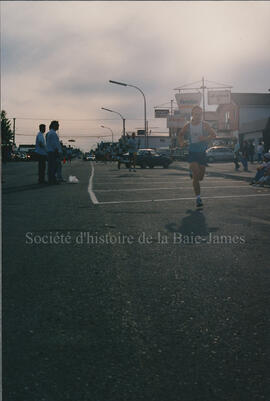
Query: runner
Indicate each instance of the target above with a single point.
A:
(199, 133)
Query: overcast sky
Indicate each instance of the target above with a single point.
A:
(57, 59)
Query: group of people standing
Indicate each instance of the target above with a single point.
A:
(49, 149)
(245, 153)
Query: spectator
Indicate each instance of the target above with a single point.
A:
(244, 155)
(251, 151)
(41, 153)
(260, 150)
(69, 154)
(59, 159)
(236, 156)
(262, 171)
(54, 150)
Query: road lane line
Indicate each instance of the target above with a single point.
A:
(158, 189)
(90, 187)
(182, 199)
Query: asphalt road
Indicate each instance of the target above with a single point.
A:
(118, 289)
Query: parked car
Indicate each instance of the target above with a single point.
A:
(147, 158)
(31, 155)
(18, 156)
(89, 157)
(219, 153)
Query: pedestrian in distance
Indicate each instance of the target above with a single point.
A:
(41, 153)
(236, 156)
(244, 155)
(132, 149)
(199, 133)
(69, 154)
(260, 150)
(251, 151)
(54, 150)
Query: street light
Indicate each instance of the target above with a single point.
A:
(133, 86)
(102, 126)
(124, 120)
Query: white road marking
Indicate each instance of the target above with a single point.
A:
(159, 189)
(169, 182)
(90, 187)
(182, 199)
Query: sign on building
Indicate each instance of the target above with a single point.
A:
(219, 97)
(186, 101)
(161, 113)
(176, 121)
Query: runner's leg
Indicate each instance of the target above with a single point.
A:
(194, 167)
(201, 172)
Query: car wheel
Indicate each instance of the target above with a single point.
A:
(150, 165)
(210, 159)
(165, 165)
(143, 165)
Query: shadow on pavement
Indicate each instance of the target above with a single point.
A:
(220, 174)
(191, 225)
(22, 188)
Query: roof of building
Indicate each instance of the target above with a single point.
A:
(254, 99)
(253, 126)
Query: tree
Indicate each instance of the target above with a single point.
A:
(6, 131)
(6, 136)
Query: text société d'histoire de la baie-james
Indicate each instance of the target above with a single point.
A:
(142, 238)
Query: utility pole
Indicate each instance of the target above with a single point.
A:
(14, 122)
(203, 88)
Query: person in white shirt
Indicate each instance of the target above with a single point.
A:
(54, 150)
(41, 153)
(199, 134)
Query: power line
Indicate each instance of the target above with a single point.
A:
(68, 119)
(68, 136)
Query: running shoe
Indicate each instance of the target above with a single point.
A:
(199, 203)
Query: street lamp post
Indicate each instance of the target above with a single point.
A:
(124, 120)
(102, 126)
(144, 101)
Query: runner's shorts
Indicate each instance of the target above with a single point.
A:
(199, 157)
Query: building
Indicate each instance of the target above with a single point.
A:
(243, 109)
(154, 141)
(256, 131)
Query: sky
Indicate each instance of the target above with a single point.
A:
(57, 58)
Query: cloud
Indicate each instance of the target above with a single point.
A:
(57, 57)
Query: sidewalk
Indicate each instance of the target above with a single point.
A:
(226, 170)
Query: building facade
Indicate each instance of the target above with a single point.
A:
(244, 109)
(154, 141)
